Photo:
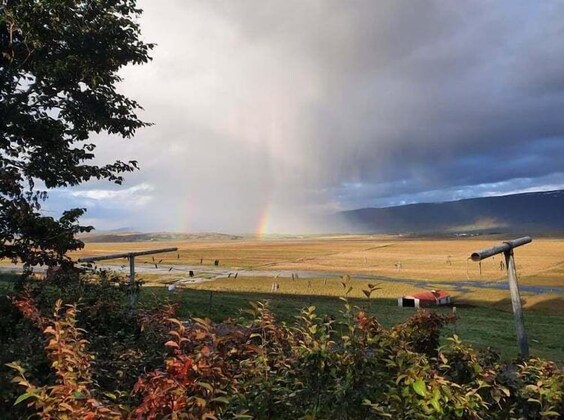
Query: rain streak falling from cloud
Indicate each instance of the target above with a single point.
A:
(287, 110)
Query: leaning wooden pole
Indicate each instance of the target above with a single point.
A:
(516, 303)
(507, 249)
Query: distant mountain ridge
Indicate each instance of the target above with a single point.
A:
(536, 211)
(122, 235)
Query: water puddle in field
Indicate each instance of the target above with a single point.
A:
(209, 273)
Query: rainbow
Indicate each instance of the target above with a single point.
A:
(263, 225)
(186, 217)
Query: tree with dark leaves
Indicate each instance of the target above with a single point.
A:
(59, 63)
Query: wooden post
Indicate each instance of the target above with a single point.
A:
(507, 249)
(131, 256)
(516, 303)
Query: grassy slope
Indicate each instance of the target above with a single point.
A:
(7, 282)
(478, 325)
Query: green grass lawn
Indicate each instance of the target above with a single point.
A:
(478, 325)
(7, 281)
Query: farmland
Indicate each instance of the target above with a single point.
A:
(400, 265)
(446, 260)
(395, 265)
(481, 325)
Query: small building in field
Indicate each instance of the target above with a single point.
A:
(427, 298)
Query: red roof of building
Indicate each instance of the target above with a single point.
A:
(431, 295)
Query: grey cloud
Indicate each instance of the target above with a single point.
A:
(296, 108)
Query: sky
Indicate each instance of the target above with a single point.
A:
(270, 114)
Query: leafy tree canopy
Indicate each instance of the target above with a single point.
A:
(59, 63)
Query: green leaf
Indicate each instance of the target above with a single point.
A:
(23, 397)
(200, 321)
(436, 405)
(549, 414)
(14, 365)
(110, 395)
(222, 400)
(79, 395)
(505, 391)
(206, 386)
(419, 387)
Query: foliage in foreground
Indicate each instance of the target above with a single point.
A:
(256, 367)
(59, 72)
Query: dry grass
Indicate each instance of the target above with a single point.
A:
(539, 263)
(316, 286)
(439, 261)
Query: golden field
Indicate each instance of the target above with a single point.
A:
(538, 263)
(436, 263)
(485, 317)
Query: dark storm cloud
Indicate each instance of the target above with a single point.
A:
(293, 107)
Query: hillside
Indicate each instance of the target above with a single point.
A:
(124, 236)
(531, 212)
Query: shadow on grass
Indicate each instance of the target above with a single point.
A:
(7, 282)
(219, 305)
(479, 323)
(553, 306)
(548, 306)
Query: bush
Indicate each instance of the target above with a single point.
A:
(256, 367)
(73, 394)
(124, 343)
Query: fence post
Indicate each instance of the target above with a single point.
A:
(131, 256)
(507, 249)
(516, 303)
